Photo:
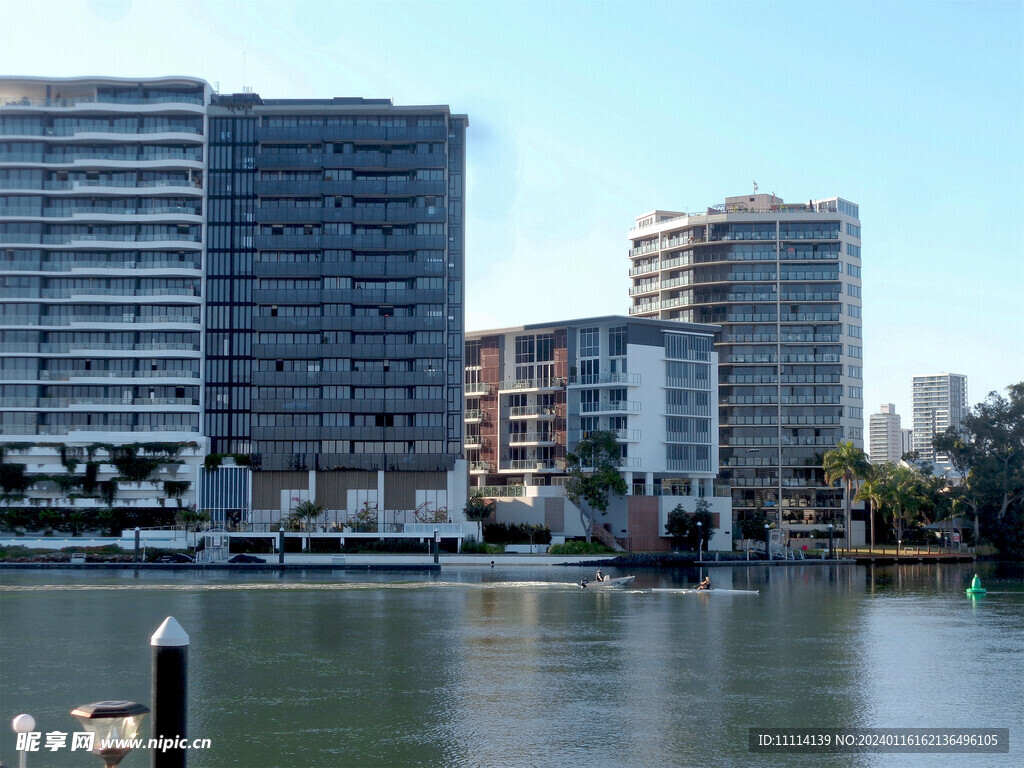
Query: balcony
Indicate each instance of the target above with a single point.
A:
(479, 466)
(597, 379)
(613, 406)
(521, 385)
(532, 411)
(528, 465)
(621, 435)
(531, 438)
(478, 388)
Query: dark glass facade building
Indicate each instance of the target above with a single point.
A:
(334, 330)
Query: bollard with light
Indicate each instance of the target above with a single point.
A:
(831, 551)
(437, 546)
(111, 721)
(767, 548)
(700, 540)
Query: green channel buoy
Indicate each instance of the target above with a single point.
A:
(975, 590)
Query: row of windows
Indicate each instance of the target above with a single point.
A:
(853, 290)
(855, 372)
(294, 121)
(290, 447)
(535, 349)
(853, 250)
(854, 331)
(684, 346)
(687, 374)
(853, 351)
(852, 270)
(853, 310)
(853, 230)
(857, 393)
(349, 420)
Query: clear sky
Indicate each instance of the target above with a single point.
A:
(585, 114)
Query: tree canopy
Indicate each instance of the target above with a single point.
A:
(848, 464)
(987, 449)
(593, 475)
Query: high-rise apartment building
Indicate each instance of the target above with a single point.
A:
(885, 438)
(940, 402)
(101, 262)
(320, 336)
(783, 281)
(335, 325)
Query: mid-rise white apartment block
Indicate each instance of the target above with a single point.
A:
(885, 438)
(533, 392)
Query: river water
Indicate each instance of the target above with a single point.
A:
(519, 667)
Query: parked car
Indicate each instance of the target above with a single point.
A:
(246, 559)
(176, 557)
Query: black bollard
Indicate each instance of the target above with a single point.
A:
(831, 550)
(280, 546)
(137, 536)
(767, 549)
(170, 693)
(437, 546)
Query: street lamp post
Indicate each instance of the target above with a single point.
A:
(112, 723)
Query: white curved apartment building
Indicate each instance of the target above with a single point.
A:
(101, 259)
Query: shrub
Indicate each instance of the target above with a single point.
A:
(578, 548)
(473, 547)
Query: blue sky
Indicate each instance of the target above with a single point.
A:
(585, 114)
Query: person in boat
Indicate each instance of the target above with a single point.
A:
(600, 576)
(706, 584)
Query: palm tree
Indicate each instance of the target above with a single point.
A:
(876, 491)
(307, 512)
(847, 463)
(906, 497)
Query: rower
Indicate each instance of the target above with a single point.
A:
(706, 584)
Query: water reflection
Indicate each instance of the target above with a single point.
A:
(518, 666)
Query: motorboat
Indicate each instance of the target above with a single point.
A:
(607, 581)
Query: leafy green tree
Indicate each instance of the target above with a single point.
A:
(848, 464)
(987, 449)
(593, 475)
(682, 526)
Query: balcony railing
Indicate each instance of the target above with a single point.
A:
(619, 406)
(527, 411)
(605, 378)
(496, 491)
(478, 388)
(520, 438)
(529, 465)
(520, 384)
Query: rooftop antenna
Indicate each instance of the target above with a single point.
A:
(245, 87)
(755, 186)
